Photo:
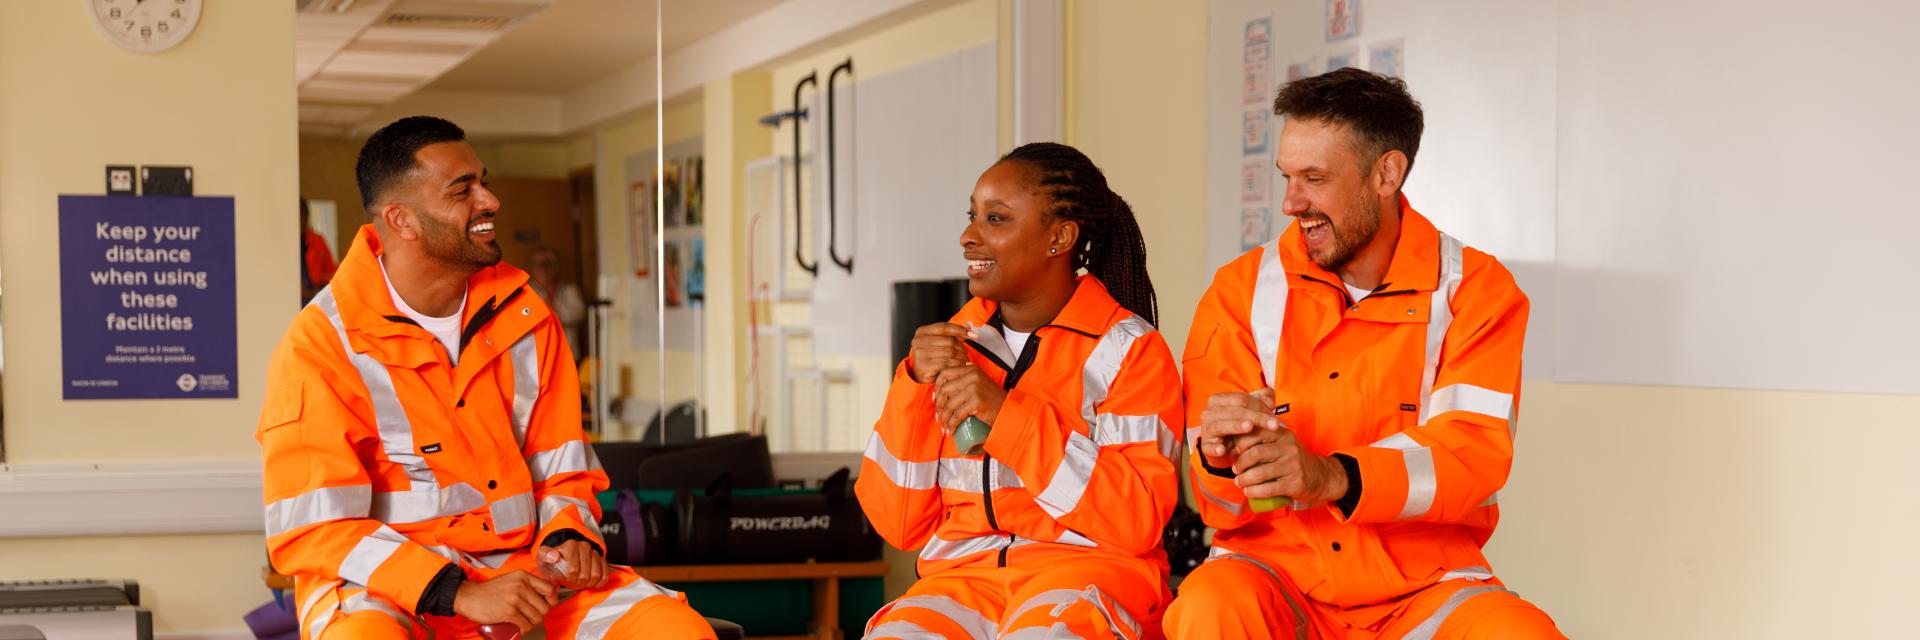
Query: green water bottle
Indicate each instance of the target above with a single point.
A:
(971, 435)
(1263, 505)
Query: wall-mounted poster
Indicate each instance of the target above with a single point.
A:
(1342, 59)
(641, 226)
(1299, 70)
(672, 277)
(147, 297)
(673, 183)
(1388, 58)
(1343, 20)
(695, 194)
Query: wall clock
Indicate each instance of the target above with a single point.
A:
(146, 26)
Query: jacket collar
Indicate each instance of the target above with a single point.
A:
(360, 289)
(1416, 256)
(1091, 310)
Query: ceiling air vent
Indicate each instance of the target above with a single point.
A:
(445, 21)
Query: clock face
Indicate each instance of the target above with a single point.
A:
(146, 26)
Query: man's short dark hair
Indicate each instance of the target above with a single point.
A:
(388, 155)
(1377, 110)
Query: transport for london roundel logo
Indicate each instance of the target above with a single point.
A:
(187, 382)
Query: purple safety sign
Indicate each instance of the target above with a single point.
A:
(147, 297)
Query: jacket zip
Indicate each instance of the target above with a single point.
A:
(986, 459)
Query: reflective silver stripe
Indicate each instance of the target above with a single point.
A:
(512, 512)
(372, 551)
(942, 549)
(1469, 573)
(1431, 625)
(601, 617)
(963, 474)
(396, 431)
(364, 601)
(976, 625)
(1057, 631)
(1116, 617)
(1422, 485)
(317, 506)
(306, 609)
(1103, 364)
(525, 356)
(426, 503)
(906, 475)
(1110, 430)
(1235, 508)
(1268, 314)
(1070, 479)
(902, 630)
(1439, 317)
(571, 457)
(1074, 538)
(1492, 499)
(1472, 399)
(551, 507)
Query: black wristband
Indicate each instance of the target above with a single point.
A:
(563, 536)
(437, 598)
(1347, 503)
(1211, 470)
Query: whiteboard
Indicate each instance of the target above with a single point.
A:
(1731, 194)
(1701, 193)
(911, 143)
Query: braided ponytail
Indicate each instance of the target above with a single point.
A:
(1110, 246)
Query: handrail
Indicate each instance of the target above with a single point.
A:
(833, 208)
(800, 115)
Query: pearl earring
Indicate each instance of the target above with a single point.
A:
(1054, 250)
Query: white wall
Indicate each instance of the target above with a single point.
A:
(1693, 194)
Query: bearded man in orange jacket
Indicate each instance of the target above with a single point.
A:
(1361, 373)
(425, 468)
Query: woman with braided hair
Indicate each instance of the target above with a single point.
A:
(1052, 527)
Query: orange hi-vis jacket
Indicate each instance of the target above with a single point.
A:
(1080, 459)
(384, 462)
(1418, 382)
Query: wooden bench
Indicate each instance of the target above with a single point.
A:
(825, 576)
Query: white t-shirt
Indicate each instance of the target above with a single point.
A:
(1016, 341)
(1357, 292)
(446, 330)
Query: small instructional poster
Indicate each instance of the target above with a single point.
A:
(1256, 132)
(1388, 58)
(147, 297)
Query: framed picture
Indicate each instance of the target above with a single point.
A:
(641, 228)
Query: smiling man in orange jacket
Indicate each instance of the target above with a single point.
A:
(1361, 371)
(425, 465)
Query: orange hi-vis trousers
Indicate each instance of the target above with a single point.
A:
(1085, 597)
(1235, 596)
(627, 606)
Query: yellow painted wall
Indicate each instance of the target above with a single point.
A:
(222, 102)
(1137, 109)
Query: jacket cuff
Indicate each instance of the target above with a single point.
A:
(563, 536)
(438, 598)
(1381, 482)
(1351, 500)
